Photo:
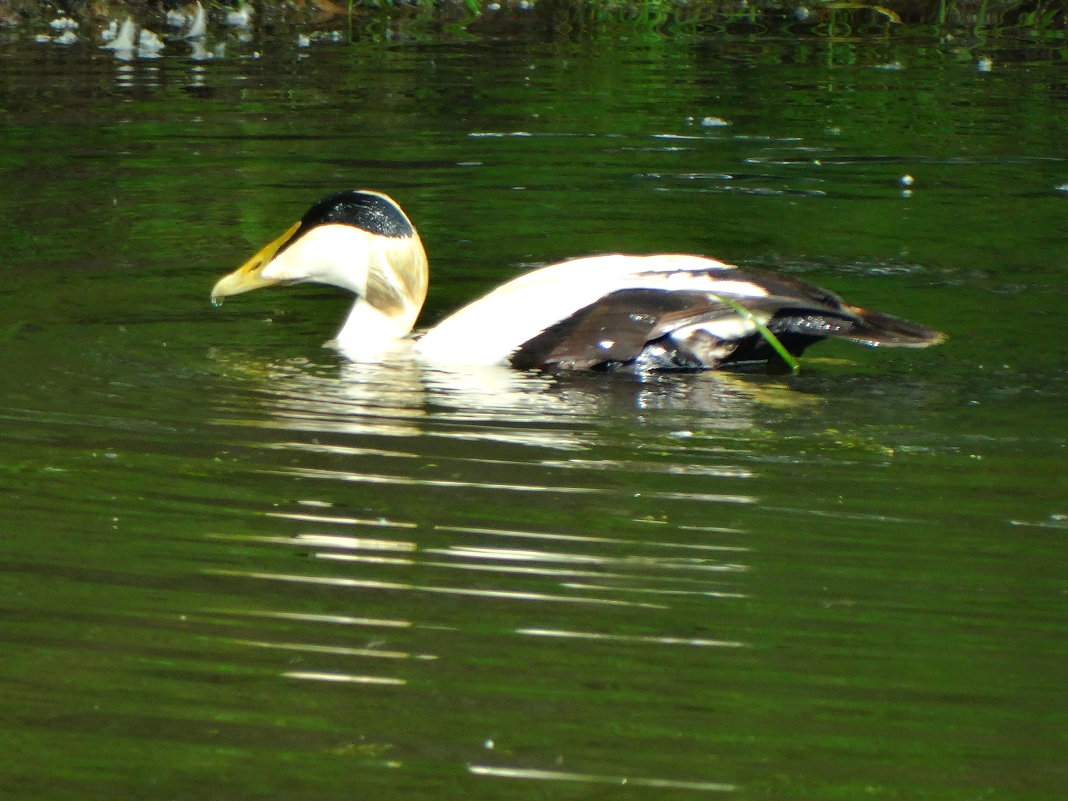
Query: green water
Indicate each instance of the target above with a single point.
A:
(233, 568)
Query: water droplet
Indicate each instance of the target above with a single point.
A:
(216, 301)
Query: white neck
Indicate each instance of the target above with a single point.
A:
(368, 333)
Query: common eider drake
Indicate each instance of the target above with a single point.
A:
(656, 312)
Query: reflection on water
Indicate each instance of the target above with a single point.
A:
(507, 587)
(402, 398)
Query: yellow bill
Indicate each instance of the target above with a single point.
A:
(248, 276)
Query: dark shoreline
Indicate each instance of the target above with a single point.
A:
(570, 18)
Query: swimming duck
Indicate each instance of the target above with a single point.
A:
(666, 311)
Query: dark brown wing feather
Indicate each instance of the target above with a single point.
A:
(624, 326)
(807, 309)
(615, 328)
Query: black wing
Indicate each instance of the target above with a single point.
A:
(662, 328)
(615, 328)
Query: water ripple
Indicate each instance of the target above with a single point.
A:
(596, 539)
(342, 521)
(374, 584)
(632, 638)
(342, 677)
(368, 478)
(592, 778)
(371, 653)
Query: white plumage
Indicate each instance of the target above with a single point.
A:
(600, 312)
(519, 310)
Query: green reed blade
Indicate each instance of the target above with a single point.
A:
(765, 332)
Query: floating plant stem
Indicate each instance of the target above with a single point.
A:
(765, 332)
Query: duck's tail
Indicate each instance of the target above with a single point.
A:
(884, 330)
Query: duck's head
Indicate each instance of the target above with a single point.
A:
(358, 240)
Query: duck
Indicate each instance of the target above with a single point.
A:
(616, 312)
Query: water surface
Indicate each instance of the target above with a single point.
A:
(233, 567)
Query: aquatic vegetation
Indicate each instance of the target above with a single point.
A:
(765, 332)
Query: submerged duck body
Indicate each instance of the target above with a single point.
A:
(658, 312)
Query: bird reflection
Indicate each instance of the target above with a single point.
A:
(405, 499)
(398, 396)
